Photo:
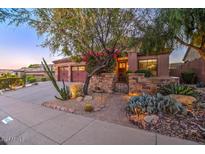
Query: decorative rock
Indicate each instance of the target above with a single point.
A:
(63, 108)
(151, 119)
(193, 132)
(79, 99)
(185, 100)
(88, 98)
(71, 110)
(1, 92)
(97, 109)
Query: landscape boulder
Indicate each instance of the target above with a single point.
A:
(184, 100)
(88, 98)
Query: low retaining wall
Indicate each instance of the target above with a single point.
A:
(138, 83)
(102, 83)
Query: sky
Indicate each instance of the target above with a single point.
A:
(19, 47)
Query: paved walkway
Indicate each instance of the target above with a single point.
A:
(35, 124)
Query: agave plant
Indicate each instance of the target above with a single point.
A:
(177, 89)
(154, 104)
(64, 92)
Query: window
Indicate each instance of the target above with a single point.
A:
(78, 68)
(81, 68)
(122, 65)
(148, 64)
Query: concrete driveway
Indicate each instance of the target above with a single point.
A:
(35, 124)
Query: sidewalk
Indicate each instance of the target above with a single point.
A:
(35, 124)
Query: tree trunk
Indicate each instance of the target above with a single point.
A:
(86, 85)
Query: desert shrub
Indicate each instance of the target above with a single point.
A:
(189, 77)
(129, 71)
(10, 82)
(43, 79)
(154, 104)
(177, 89)
(76, 90)
(147, 73)
(31, 79)
(88, 107)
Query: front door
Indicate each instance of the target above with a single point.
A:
(122, 69)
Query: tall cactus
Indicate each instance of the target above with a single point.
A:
(64, 91)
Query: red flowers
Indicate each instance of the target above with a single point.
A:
(101, 55)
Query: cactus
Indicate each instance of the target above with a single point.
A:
(88, 107)
(64, 91)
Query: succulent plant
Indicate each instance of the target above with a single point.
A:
(154, 104)
(88, 107)
(64, 92)
(177, 89)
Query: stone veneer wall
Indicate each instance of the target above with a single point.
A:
(138, 83)
(102, 83)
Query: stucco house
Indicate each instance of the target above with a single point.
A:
(67, 70)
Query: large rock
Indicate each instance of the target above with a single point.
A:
(184, 100)
(88, 98)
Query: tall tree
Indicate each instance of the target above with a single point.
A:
(79, 31)
(170, 28)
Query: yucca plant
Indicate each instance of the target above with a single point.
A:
(177, 89)
(64, 92)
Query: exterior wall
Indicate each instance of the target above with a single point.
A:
(163, 65)
(132, 61)
(197, 65)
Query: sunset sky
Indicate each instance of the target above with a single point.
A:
(19, 47)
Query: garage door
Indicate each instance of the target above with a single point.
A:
(78, 74)
(63, 73)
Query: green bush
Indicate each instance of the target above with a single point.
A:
(31, 79)
(177, 89)
(147, 73)
(189, 77)
(10, 82)
(43, 79)
(129, 71)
